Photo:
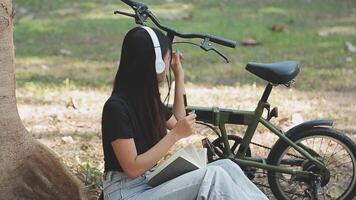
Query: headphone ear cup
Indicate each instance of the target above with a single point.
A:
(160, 66)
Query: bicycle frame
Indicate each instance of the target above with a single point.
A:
(219, 117)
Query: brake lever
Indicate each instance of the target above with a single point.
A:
(139, 18)
(221, 54)
(141, 12)
(118, 12)
(206, 46)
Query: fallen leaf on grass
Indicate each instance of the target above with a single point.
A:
(277, 28)
(249, 42)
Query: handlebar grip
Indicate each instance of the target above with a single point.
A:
(223, 41)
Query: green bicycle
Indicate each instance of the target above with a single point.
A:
(309, 161)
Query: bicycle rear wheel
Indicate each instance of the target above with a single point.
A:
(332, 148)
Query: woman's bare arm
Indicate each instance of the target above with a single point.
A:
(134, 165)
(178, 105)
(179, 89)
(171, 122)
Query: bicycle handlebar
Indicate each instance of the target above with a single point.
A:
(215, 39)
(223, 41)
(140, 7)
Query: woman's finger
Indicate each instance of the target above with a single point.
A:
(191, 119)
(191, 116)
(181, 56)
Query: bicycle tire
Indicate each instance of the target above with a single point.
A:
(281, 147)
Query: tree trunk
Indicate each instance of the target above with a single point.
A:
(28, 169)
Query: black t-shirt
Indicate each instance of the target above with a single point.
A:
(120, 121)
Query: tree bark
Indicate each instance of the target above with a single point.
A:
(28, 169)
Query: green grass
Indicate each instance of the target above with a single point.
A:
(59, 40)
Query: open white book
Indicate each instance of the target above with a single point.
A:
(184, 160)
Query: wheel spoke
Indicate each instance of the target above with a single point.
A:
(341, 164)
(329, 149)
(219, 153)
(293, 153)
(334, 153)
(220, 146)
(313, 142)
(293, 193)
(321, 142)
(326, 150)
(233, 141)
(234, 147)
(335, 161)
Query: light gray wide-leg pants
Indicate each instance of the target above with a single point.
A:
(220, 180)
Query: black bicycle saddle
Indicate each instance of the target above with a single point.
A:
(275, 73)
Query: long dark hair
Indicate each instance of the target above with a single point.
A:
(136, 78)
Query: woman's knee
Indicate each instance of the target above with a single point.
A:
(217, 170)
(214, 168)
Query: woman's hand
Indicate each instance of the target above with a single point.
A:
(176, 64)
(184, 127)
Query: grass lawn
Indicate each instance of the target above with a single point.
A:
(80, 40)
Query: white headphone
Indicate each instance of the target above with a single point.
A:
(160, 65)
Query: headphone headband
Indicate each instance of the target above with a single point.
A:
(159, 64)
